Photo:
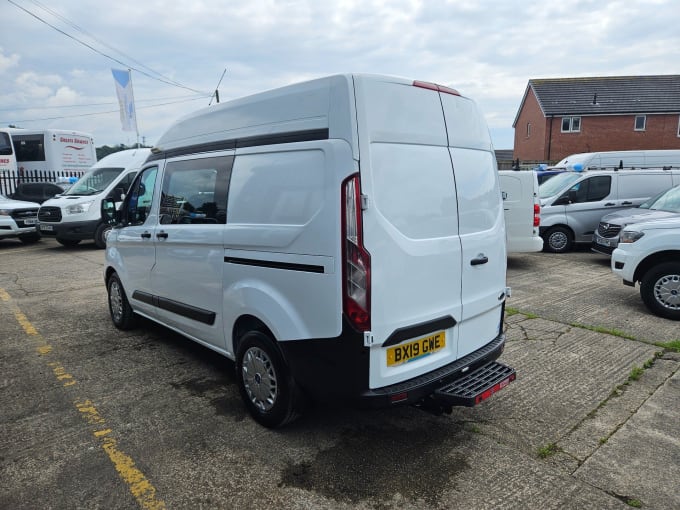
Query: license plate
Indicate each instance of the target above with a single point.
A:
(417, 349)
(30, 221)
(46, 227)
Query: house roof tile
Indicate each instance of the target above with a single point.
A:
(608, 95)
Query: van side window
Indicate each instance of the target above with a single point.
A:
(195, 191)
(593, 189)
(141, 196)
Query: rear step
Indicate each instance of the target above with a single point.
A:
(476, 386)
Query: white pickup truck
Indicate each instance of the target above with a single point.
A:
(649, 253)
(19, 219)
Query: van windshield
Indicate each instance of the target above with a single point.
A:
(95, 181)
(668, 201)
(554, 185)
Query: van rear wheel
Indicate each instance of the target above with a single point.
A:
(660, 290)
(266, 385)
(558, 240)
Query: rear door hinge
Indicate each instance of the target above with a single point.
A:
(368, 338)
(364, 202)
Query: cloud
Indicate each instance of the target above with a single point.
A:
(7, 62)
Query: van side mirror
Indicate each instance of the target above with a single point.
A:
(572, 196)
(563, 200)
(110, 214)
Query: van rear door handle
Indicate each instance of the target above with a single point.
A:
(609, 204)
(146, 234)
(162, 235)
(479, 260)
(626, 203)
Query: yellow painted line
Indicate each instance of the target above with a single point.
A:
(140, 487)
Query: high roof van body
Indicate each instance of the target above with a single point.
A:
(340, 239)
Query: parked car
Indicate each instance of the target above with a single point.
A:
(18, 219)
(664, 205)
(573, 203)
(649, 254)
(36, 191)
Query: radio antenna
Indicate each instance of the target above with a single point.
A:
(216, 94)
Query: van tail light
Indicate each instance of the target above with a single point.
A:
(537, 215)
(356, 261)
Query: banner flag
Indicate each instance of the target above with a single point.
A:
(126, 99)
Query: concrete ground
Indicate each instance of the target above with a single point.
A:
(94, 418)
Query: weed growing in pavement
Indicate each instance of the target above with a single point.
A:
(608, 331)
(635, 503)
(673, 345)
(514, 311)
(635, 373)
(548, 450)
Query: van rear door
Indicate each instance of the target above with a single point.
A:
(411, 229)
(481, 223)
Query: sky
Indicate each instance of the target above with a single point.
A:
(56, 59)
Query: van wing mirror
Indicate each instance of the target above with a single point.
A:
(110, 213)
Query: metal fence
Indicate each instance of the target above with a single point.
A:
(10, 179)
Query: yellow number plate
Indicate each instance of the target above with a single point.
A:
(403, 353)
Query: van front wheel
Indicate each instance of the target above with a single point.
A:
(100, 235)
(660, 290)
(122, 315)
(557, 240)
(264, 381)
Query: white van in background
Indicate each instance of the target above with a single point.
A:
(52, 150)
(610, 160)
(572, 203)
(522, 210)
(8, 160)
(76, 215)
(339, 239)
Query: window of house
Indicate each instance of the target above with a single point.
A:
(640, 122)
(679, 125)
(571, 124)
(528, 129)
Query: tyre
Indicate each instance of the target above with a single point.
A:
(121, 312)
(68, 242)
(265, 383)
(100, 235)
(558, 240)
(660, 290)
(30, 238)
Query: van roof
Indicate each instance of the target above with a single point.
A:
(311, 110)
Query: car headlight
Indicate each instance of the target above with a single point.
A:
(83, 207)
(630, 236)
(5, 212)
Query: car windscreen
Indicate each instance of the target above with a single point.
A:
(668, 201)
(554, 185)
(95, 181)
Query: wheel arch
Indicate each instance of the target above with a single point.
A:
(653, 260)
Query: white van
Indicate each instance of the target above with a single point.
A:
(572, 203)
(76, 215)
(8, 160)
(340, 239)
(61, 151)
(522, 210)
(610, 160)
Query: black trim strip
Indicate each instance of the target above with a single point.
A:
(191, 312)
(408, 332)
(306, 135)
(307, 268)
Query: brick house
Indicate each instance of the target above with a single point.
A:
(563, 116)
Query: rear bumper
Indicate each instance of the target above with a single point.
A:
(336, 369)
